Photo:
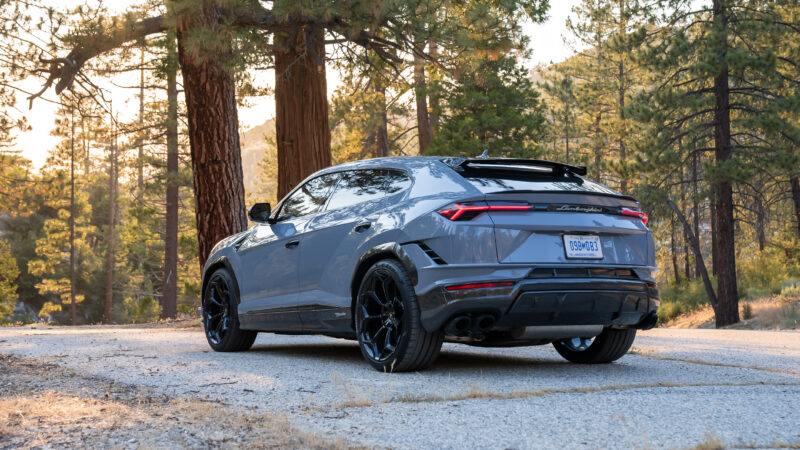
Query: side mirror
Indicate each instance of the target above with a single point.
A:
(259, 212)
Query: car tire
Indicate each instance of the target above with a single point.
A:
(387, 321)
(221, 316)
(608, 346)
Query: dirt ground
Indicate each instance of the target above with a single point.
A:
(43, 405)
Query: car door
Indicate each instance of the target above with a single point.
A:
(270, 258)
(332, 240)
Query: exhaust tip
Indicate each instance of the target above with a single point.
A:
(458, 326)
(485, 323)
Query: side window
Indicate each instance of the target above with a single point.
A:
(310, 198)
(359, 186)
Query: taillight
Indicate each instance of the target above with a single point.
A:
(634, 213)
(469, 211)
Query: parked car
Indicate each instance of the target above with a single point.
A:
(405, 253)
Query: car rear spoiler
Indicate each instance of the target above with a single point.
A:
(558, 169)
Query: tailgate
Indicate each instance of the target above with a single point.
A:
(536, 236)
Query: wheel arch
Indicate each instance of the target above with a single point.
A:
(389, 250)
(221, 262)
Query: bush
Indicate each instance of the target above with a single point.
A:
(668, 311)
(747, 311)
(141, 310)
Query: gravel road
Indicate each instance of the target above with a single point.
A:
(677, 388)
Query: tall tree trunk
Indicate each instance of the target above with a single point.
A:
(382, 134)
(598, 151)
(301, 124)
(674, 249)
(169, 299)
(140, 159)
(761, 222)
(727, 291)
(700, 266)
(433, 99)
(112, 194)
(796, 200)
(623, 184)
(713, 215)
(687, 271)
(72, 306)
(213, 136)
(424, 129)
(695, 202)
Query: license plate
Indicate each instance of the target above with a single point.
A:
(583, 247)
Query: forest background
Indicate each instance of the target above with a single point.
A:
(693, 107)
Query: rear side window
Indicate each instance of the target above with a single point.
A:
(358, 186)
(309, 198)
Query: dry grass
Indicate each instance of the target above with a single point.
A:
(712, 442)
(775, 313)
(41, 407)
(653, 355)
(480, 392)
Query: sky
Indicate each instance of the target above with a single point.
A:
(547, 42)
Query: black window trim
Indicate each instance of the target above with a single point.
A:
(324, 208)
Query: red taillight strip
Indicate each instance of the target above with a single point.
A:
(634, 213)
(457, 210)
(459, 287)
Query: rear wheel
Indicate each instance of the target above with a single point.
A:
(220, 315)
(387, 321)
(608, 346)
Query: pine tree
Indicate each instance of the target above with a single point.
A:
(9, 272)
(721, 88)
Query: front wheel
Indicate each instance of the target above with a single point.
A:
(387, 320)
(221, 317)
(608, 346)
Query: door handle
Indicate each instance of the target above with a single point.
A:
(362, 227)
(292, 244)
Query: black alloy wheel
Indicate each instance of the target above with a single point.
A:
(220, 315)
(606, 347)
(387, 321)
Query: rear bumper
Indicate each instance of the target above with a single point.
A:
(549, 301)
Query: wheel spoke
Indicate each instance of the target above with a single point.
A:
(365, 315)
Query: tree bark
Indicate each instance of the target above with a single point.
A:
(695, 203)
(598, 151)
(687, 271)
(213, 125)
(623, 185)
(72, 306)
(728, 311)
(301, 124)
(674, 250)
(382, 133)
(169, 299)
(700, 266)
(140, 143)
(112, 194)
(433, 99)
(424, 130)
(796, 200)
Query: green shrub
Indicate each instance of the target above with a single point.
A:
(747, 311)
(189, 310)
(790, 290)
(141, 310)
(668, 311)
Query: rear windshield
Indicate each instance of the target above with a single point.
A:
(503, 181)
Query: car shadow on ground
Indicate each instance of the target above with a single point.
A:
(449, 361)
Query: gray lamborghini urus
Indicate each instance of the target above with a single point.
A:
(403, 254)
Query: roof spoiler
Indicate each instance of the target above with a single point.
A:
(559, 169)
